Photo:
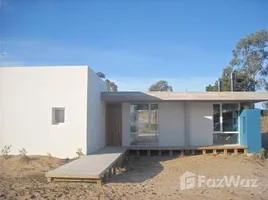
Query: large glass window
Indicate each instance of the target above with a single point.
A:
(143, 123)
(230, 117)
(225, 123)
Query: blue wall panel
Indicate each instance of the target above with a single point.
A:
(250, 129)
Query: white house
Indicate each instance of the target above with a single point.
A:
(58, 109)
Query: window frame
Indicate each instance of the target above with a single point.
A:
(149, 115)
(221, 119)
(59, 109)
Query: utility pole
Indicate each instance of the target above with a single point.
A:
(232, 79)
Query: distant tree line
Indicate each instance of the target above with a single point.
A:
(249, 66)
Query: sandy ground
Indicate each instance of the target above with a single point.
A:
(142, 178)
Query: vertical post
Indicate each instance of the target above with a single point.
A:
(204, 151)
(225, 151)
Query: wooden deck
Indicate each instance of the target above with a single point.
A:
(93, 167)
(101, 164)
(190, 149)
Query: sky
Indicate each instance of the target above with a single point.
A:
(134, 43)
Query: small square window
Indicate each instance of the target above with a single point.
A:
(58, 115)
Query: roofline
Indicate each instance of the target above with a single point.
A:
(252, 97)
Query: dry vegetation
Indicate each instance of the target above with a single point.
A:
(264, 124)
(143, 178)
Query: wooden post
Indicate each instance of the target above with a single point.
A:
(204, 151)
(182, 152)
(235, 151)
(170, 152)
(214, 151)
(99, 182)
(245, 152)
(114, 170)
(148, 152)
(225, 151)
(110, 172)
(159, 152)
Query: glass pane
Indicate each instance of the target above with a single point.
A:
(216, 117)
(230, 117)
(143, 123)
(223, 138)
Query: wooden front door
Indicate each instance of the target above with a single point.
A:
(113, 124)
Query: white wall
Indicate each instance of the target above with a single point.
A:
(27, 97)
(171, 124)
(200, 123)
(95, 113)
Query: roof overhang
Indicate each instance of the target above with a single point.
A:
(252, 97)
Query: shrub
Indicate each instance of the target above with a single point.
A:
(6, 151)
(79, 153)
(23, 154)
(261, 155)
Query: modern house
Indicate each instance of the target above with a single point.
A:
(58, 109)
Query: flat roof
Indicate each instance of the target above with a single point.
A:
(184, 96)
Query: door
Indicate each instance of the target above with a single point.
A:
(113, 123)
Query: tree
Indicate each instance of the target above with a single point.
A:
(110, 86)
(101, 75)
(250, 55)
(249, 64)
(161, 86)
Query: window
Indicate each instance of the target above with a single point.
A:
(230, 117)
(143, 123)
(225, 123)
(58, 115)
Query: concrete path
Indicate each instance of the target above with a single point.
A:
(91, 166)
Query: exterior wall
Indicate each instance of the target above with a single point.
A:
(173, 129)
(27, 97)
(125, 124)
(95, 113)
(200, 123)
(171, 124)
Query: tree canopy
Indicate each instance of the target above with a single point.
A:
(249, 64)
(161, 86)
(110, 86)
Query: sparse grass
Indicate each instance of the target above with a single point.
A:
(79, 152)
(6, 151)
(23, 154)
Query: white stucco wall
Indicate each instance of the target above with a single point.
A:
(28, 95)
(95, 113)
(171, 124)
(200, 123)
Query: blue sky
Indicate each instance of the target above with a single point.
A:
(135, 43)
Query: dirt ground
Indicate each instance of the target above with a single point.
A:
(142, 178)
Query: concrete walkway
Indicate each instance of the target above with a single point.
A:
(92, 166)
